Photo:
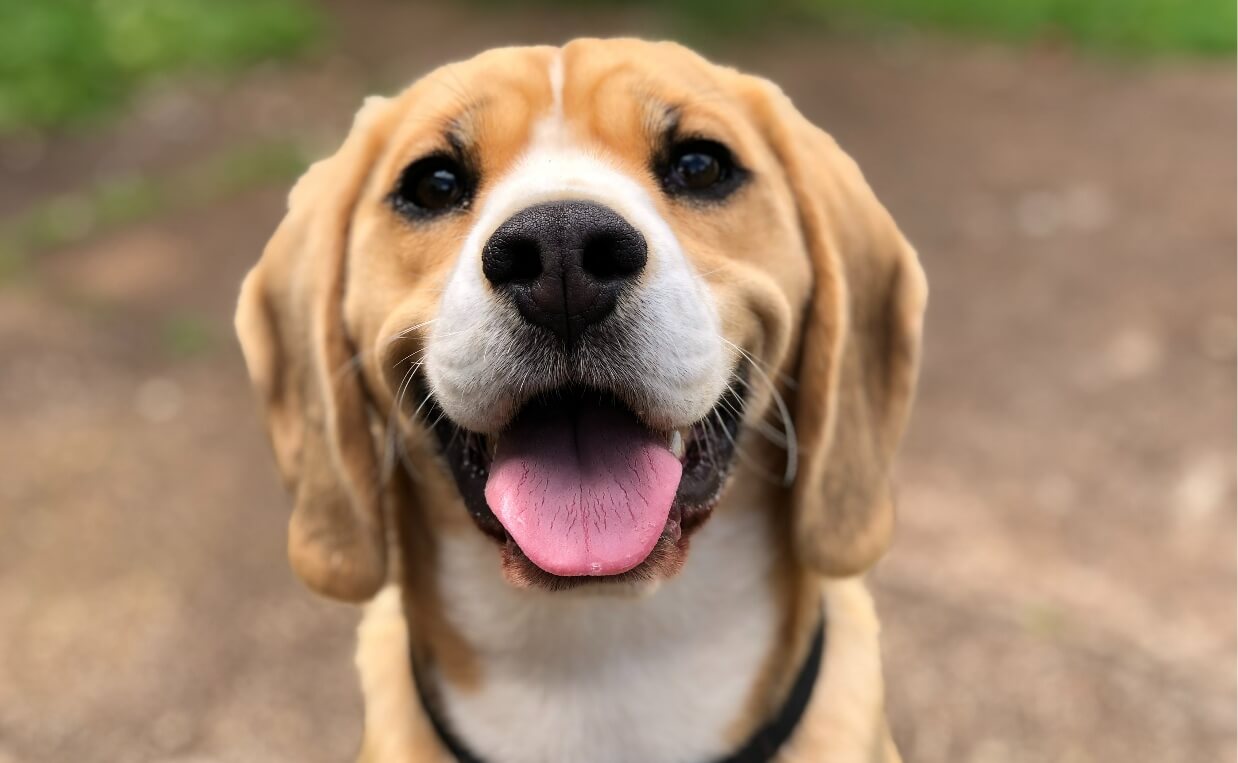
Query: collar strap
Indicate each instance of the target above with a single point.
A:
(760, 747)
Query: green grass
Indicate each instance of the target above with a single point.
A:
(67, 61)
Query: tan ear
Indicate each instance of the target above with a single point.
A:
(290, 324)
(859, 351)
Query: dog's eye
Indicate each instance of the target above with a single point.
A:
(431, 185)
(697, 170)
(700, 167)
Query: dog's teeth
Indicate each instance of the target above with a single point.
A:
(677, 447)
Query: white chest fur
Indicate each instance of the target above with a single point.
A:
(658, 676)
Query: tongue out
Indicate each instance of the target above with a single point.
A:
(583, 490)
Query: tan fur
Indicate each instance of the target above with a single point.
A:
(860, 345)
(290, 327)
(810, 277)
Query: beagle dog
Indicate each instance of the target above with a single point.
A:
(585, 367)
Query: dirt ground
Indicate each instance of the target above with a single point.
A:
(1062, 584)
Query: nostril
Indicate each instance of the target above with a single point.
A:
(609, 255)
(512, 259)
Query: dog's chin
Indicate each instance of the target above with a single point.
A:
(704, 450)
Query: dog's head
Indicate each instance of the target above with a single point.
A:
(582, 274)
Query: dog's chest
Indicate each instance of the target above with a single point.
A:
(663, 676)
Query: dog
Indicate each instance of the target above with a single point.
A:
(585, 366)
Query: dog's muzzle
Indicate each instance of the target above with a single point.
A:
(577, 463)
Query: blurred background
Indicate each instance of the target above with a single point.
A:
(1062, 585)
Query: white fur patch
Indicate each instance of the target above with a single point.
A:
(650, 676)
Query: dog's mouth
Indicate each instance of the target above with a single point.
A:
(578, 487)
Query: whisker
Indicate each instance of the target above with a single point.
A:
(405, 332)
(762, 427)
(411, 355)
(426, 399)
(792, 444)
(711, 436)
(743, 455)
(355, 361)
(761, 423)
(782, 377)
(394, 413)
(389, 454)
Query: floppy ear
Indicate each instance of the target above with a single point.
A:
(290, 324)
(859, 351)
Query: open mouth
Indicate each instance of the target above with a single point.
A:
(578, 487)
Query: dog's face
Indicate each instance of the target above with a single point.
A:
(579, 274)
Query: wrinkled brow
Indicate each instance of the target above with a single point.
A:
(460, 129)
(661, 120)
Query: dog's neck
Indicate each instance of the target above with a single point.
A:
(680, 673)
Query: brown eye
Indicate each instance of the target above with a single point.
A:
(430, 186)
(437, 189)
(700, 168)
(697, 170)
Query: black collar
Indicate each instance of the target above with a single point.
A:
(760, 747)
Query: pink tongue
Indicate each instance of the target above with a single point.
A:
(584, 491)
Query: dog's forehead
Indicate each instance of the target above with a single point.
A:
(604, 89)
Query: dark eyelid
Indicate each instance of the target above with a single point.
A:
(736, 174)
(468, 176)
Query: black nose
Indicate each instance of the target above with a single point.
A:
(564, 263)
